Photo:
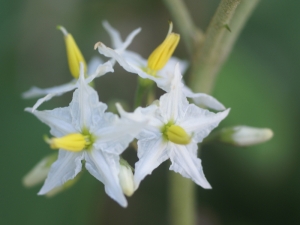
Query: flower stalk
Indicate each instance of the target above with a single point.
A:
(211, 51)
(191, 35)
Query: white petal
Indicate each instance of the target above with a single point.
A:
(93, 64)
(151, 154)
(41, 101)
(166, 74)
(173, 104)
(129, 39)
(114, 35)
(105, 167)
(59, 120)
(116, 137)
(57, 90)
(132, 65)
(185, 161)
(201, 122)
(140, 114)
(101, 70)
(173, 61)
(85, 107)
(67, 166)
(204, 99)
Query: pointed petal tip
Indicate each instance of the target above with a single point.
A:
(226, 112)
(124, 203)
(28, 109)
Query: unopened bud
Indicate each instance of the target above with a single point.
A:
(126, 178)
(63, 187)
(245, 136)
(39, 172)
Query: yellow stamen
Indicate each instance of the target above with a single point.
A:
(160, 56)
(177, 135)
(72, 142)
(73, 53)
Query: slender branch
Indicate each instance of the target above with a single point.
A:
(191, 35)
(238, 21)
(208, 58)
(182, 200)
(204, 66)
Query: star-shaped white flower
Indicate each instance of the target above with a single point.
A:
(96, 68)
(85, 134)
(159, 67)
(173, 132)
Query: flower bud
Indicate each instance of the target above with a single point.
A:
(245, 136)
(63, 187)
(39, 172)
(126, 178)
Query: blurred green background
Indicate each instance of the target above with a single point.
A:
(259, 82)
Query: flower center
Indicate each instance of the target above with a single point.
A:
(175, 134)
(74, 142)
(160, 56)
(73, 53)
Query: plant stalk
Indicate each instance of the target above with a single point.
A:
(182, 200)
(206, 63)
(191, 35)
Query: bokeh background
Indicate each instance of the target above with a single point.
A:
(260, 82)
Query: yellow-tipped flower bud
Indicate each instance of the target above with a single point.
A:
(73, 53)
(72, 142)
(160, 56)
(177, 135)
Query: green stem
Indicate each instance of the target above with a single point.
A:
(145, 87)
(237, 24)
(191, 35)
(208, 57)
(139, 94)
(182, 200)
(206, 63)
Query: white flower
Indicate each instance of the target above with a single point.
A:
(96, 68)
(159, 67)
(85, 133)
(173, 132)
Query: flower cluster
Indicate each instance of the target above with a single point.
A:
(88, 136)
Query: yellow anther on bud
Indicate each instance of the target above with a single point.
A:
(160, 56)
(73, 53)
(177, 135)
(72, 142)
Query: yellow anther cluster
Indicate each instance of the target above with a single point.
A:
(73, 53)
(160, 56)
(72, 142)
(175, 134)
